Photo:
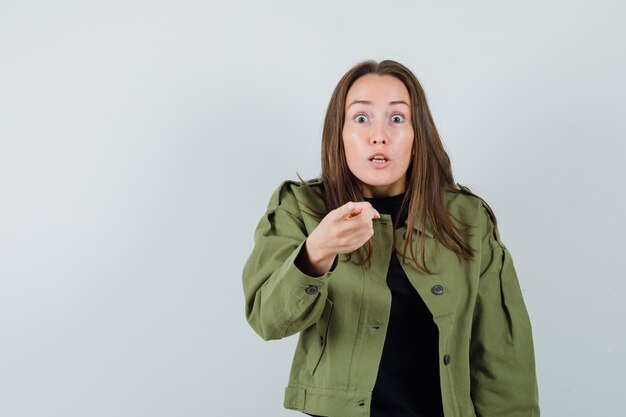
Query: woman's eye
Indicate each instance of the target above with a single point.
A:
(398, 118)
(361, 118)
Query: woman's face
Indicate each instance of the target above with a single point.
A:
(378, 122)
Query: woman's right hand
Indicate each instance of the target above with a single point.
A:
(342, 230)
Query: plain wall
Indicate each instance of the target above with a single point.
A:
(140, 142)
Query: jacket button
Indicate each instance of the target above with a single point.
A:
(320, 339)
(446, 359)
(311, 289)
(437, 289)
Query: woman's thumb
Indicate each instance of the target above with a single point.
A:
(348, 208)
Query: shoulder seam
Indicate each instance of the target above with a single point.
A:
(492, 217)
(275, 199)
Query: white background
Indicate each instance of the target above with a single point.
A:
(140, 142)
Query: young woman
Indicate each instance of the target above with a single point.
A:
(404, 296)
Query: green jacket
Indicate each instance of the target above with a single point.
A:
(487, 365)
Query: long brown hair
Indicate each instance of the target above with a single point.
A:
(428, 176)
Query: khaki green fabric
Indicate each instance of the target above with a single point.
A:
(487, 364)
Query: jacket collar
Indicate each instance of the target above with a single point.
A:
(404, 218)
(426, 230)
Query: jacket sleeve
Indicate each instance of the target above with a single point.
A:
(281, 300)
(502, 363)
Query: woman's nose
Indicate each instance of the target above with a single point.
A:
(378, 134)
(380, 139)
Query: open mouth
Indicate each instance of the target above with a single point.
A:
(379, 159)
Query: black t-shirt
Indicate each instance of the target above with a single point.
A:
(407, 383)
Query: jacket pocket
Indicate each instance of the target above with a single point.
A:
(317, 340)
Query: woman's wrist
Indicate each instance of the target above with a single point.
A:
(312, 259)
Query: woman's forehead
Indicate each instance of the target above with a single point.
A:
(373, 88)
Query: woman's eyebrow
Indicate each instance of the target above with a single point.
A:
(369, 102)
